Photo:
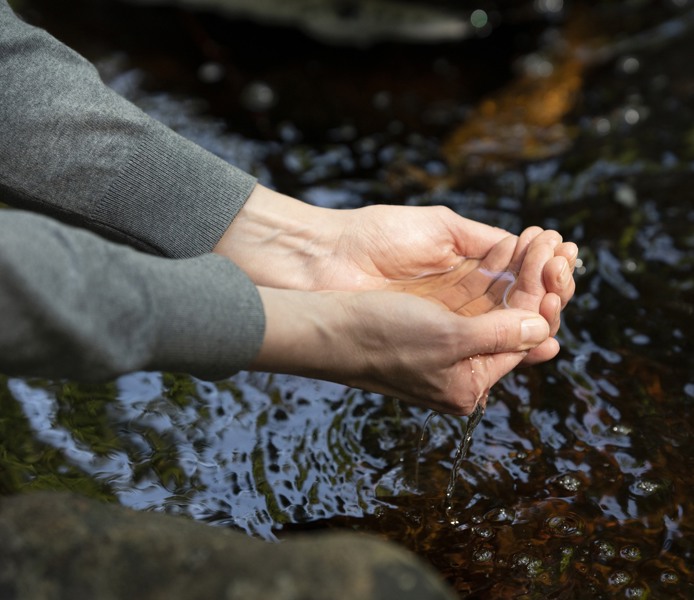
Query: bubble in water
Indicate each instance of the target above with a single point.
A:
(630, 552)
(622, 429)
(499, 515)
(604, 550)
(564, 526)
(483, 531)
(646, 487)
(531, 564)
(635, 591)
(482, 554)
(619, 578)
(569, 482)
(669, 577)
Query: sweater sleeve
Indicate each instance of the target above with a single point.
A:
(75, 305)
(72, 148)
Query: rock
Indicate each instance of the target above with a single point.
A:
(62, 546)
(352, 22)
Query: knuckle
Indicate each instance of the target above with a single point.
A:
(501, 339)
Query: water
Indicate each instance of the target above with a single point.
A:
(578, 484)
(461, 453)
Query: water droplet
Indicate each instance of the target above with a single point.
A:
(463, 447)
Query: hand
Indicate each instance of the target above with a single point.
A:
(281, 242)
(516, 272)
(395, 344)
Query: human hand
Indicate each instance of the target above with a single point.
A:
(281, 242)
(395, 344)
(516, 272)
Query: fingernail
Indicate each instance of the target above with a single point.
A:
(564, 274)
(534, 330)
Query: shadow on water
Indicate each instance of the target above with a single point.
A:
(578, 480)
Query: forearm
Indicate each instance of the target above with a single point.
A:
(283, 242)
(73, 305)
(395, 344)
(72, 148)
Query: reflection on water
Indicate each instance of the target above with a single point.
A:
(578, 479)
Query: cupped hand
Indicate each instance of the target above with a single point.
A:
(284, 243)
(518, 272)
(395, 344)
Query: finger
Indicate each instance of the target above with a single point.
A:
(473, 379)
(558, 278)
(485, 287)
(499, 331)
(550, 309)
(569, 251)
(472, 238)
(547, 350)
(525, 239)
(491, 345)
(530, 287)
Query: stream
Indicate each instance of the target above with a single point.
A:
(578, 479)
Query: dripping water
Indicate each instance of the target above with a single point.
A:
(420, 445)
(463, 448)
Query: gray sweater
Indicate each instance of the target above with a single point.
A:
(141, 290)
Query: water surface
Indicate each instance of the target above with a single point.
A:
(578, 480)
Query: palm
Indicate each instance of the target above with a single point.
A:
(468, 267)
(390, 245)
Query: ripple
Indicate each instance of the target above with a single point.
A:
(564, 525)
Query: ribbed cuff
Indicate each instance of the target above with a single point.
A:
(173, 197)
(210, 320)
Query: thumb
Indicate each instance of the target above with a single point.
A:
(512, 330)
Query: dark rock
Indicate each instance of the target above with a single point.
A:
(57, 546)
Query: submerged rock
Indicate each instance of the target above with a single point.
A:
(59, 546)
(358, 22)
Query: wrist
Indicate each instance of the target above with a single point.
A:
(280, 241)
(303, 333)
